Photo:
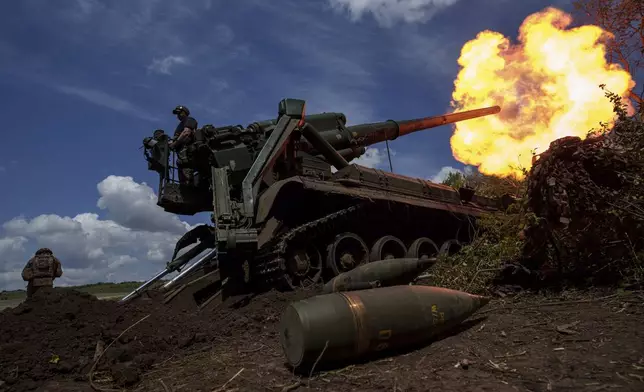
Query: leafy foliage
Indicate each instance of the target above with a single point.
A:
(589, 196)
(497, 243)
(580, 218)
(498, 239)
(485, 185)
(455, 179)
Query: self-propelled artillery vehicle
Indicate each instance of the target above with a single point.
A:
(282, 216)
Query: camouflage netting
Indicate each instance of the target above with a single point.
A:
(588, 198)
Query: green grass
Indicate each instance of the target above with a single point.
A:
(96, 288)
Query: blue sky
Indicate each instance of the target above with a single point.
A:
(82, 82)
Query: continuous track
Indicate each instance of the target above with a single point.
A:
(369, 221)
(270, 265)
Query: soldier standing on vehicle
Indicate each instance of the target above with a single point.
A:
(41, 270)
(184, 137)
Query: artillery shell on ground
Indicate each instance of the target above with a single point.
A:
(351, 325)
(379, 273)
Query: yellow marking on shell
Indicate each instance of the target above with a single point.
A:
(381, 346)
(438, 317)
(384, 334)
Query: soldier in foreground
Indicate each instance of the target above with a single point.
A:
(41, 270)
(184, 137)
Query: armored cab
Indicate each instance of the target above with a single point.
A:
(281, 215)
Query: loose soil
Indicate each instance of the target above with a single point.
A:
(574, 341)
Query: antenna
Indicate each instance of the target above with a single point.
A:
(391, 168)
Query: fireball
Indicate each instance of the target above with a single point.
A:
(547, 86)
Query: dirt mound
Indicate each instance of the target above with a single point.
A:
(57, 334)
(588, 198)
(573, 342)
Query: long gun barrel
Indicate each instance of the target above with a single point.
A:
(368, 134)
(364, 135)
(336, 145)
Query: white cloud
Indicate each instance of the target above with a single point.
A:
(373, 157)
(10, 247)
(132, 244)
(443, 173)
(3, 169)
(387, 12)
(164, 65)
(104, 99)
(133, 205)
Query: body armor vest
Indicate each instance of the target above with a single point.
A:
(43, 266)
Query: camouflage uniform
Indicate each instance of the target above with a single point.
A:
(186, 172)
(41, 270)
(184, 147)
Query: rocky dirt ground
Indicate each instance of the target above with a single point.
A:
(575, 341)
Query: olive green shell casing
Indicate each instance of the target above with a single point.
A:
(353, 324)
(388, 272)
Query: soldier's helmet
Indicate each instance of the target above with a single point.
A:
(44, 251)
(181, 109)
(158, 134)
